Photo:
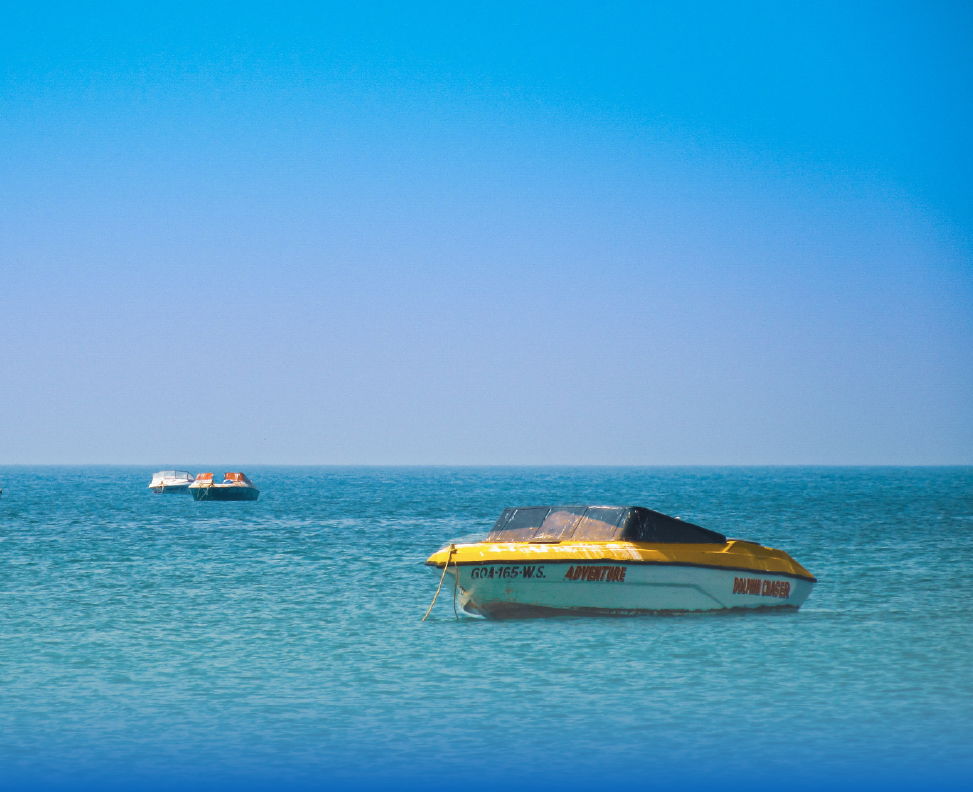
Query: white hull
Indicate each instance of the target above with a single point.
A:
(182, 486)
(512, 590)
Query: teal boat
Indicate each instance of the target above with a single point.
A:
(234, 487)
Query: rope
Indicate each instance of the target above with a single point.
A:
(445, 567)
(455, 584)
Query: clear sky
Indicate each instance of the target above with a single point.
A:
(497, 233)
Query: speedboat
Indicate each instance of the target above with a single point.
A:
(614, 560)
(171, 481)
(234, 487)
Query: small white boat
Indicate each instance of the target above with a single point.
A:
(171, 481)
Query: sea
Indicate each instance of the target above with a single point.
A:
(152, 642)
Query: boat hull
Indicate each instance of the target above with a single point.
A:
(610, 588)
(221, 493)
(171, 489)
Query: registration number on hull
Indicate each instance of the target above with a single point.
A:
(507, 572)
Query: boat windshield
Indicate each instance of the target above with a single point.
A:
(173, 474)
(558, 523)
(597, 524)
(600, 523)
(518, 525)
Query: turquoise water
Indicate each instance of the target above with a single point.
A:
(157, 641)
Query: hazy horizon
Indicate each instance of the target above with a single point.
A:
(231, 466)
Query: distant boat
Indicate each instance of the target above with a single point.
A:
(171, 481)
(235, 487)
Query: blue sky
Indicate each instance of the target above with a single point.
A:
(675, 233)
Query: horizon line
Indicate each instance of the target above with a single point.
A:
(508, 465)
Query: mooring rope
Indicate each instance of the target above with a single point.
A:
(452, 548)
(455, 584)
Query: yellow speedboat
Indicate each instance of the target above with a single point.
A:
(615, 560)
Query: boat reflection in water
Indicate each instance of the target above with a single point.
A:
(234, 487)
(615, 560)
